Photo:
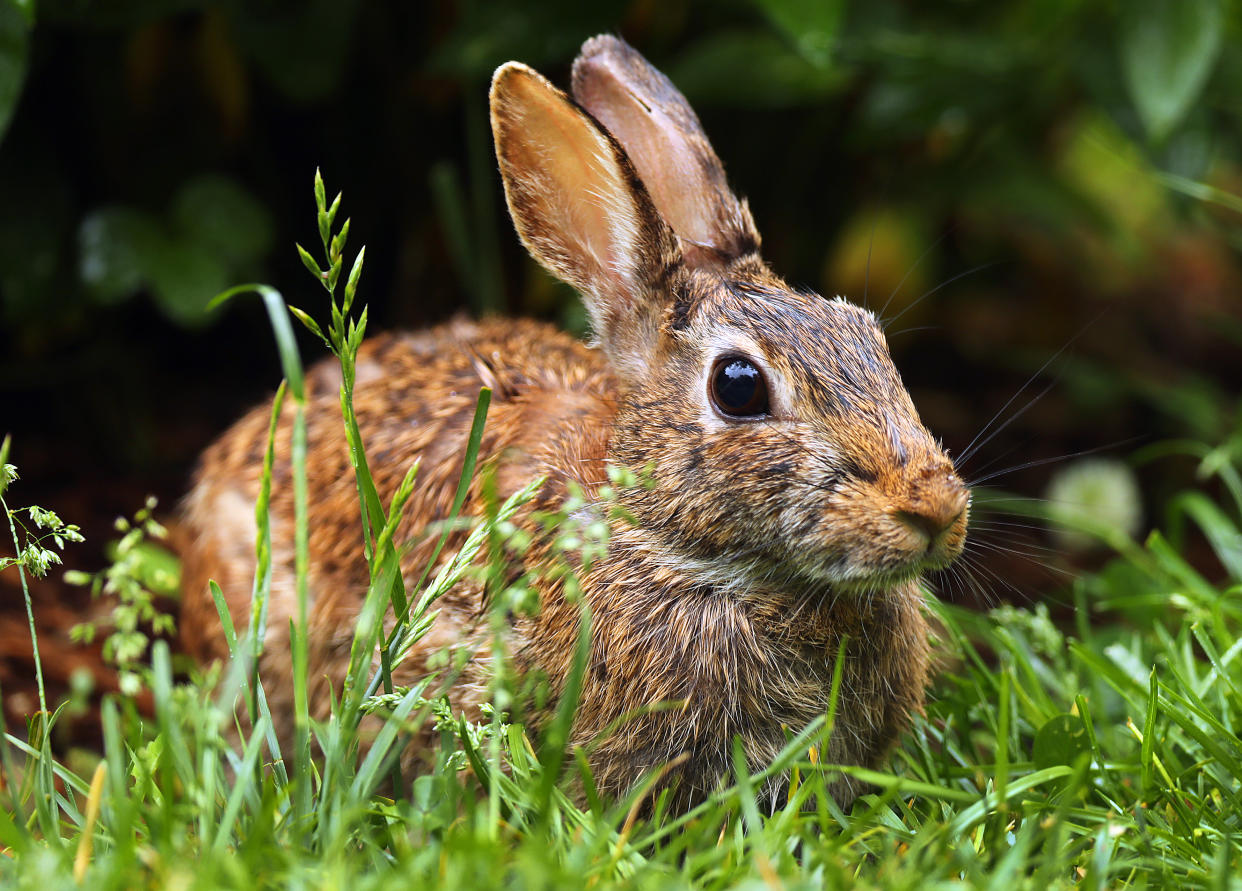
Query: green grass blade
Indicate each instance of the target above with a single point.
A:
(972, 815)
(469, 459)
(1221, 533)
(364, 782)
(278, 314)
(556, 736)
(1149, 731)
(242, 787)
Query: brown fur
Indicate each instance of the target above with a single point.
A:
(763, 545)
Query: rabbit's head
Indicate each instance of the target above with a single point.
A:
(784, 445)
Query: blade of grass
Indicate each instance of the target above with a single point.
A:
(1002, 739)
(968, 817)
(1149, 732)
(291, 365)
(263, 557)
(364, 782)
(46, 791)
(241, 787)
(469, 459)
(556, 736)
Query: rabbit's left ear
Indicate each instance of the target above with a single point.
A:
(664, 140)
(581, 211)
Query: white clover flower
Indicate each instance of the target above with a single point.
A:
(1092, 495)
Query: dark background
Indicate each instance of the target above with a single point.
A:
(1047, 175)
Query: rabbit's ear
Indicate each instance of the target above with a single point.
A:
(663, 138)
(582, 212)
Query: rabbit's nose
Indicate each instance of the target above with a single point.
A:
(933, 513)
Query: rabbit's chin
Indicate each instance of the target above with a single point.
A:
(869, 578)
(855, 580)
(827, 576)
(871, 583)
(864, 576)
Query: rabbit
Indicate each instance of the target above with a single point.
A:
(795, 500)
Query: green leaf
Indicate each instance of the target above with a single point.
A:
(27, 9)
(6, 475)
(351, 284)
(242, 785)
(156, 568)
(115, 248)
(226, 618)
(473, 442)
(219, 215)
(378, 752)
(311, 325)
(1062, 740)
(309, 262)
(1168, 49)
(15, 22)
(1149, 731)
(968, 817)
(11, 834)
(286, 343)
(1221, 533)
(811, 24)
(184, 277)
(776, 75)
(556, 736)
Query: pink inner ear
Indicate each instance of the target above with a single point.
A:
(586, 199)
(664, 159)
(664, 141)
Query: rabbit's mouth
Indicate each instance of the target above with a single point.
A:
(849, 573)
(871, 580)
(885, 549)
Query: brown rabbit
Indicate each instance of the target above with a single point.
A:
(796, 498)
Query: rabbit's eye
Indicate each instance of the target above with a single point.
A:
(738, 388)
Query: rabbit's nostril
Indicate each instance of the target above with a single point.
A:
(928, 522)
(935, 516)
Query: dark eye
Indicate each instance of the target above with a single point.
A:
(738, 388)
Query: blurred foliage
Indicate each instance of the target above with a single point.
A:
(1017, 176)
(215, 230)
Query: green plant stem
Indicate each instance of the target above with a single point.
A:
(34, 636)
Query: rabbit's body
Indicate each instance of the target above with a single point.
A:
(414, 399)
(796, 494)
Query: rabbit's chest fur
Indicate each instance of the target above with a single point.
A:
(696, 664)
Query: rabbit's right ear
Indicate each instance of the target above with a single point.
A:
(663, 138)
(582, 212)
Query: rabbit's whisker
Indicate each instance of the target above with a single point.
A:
(988, 594)
(1040, 462)
(1034, 556)
(975, 444)
(884, 323)
(893, 334)
(988, 523)
(915, 265)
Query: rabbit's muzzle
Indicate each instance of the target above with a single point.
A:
(933, 517)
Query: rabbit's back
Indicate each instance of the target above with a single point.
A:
(415, 397)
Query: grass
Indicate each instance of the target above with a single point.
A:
(1104, 755)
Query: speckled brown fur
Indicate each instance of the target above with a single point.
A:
(764, 543)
